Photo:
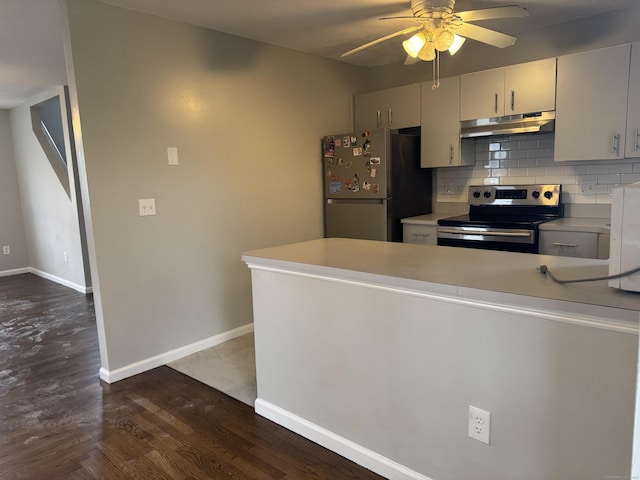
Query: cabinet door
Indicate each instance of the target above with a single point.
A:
(604, 242)
(569, 244)
(394, 108)
(632, 145)
(368, 111)
(591, 104)
(421, 234)
(440, 127)
(403, 106)
(482, 94)
(530, 87)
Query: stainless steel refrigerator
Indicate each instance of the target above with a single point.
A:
(371, 181)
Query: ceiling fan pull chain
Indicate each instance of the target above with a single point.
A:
(436, 71)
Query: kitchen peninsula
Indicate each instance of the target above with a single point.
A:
(376, 350)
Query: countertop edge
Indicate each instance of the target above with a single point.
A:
(620, 316)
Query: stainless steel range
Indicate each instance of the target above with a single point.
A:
(503, 217)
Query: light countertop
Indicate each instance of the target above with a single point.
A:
(577, 224)
(428, 219)
(483, 275)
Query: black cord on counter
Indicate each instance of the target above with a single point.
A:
(544, 269)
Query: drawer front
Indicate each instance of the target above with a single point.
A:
(569, 244)
(422, 234)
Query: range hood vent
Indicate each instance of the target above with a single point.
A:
(512, 124)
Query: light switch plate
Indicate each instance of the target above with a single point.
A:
(172, 155)
(147, 206)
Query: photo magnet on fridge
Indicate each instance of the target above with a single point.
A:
(346, 142)
(329, 147)
(366, 148)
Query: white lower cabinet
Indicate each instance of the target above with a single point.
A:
(421, 234)
(571, 244)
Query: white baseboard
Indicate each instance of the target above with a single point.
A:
(61, 281)
(15, 271)
(340, 445)
(111, 376)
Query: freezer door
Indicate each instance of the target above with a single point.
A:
(364, 219)
(355, 167)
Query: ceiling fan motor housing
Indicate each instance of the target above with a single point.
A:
(432, 8)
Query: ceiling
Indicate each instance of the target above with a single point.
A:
(32, 58)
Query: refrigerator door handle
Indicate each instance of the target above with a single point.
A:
(356, 200)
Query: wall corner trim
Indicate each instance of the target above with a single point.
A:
(340, 445)
(111, 376)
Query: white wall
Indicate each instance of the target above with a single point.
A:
(247, 119)
(394, 370)
(11, 225)
(49, 214)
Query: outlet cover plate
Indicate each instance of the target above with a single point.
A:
(147, 206)
(479, 424)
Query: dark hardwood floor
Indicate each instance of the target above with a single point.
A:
(59, 421)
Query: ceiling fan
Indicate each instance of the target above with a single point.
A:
(437, 28)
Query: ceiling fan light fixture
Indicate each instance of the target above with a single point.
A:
(443, 40)
(427, 52)
(458, 41)
(414, 44)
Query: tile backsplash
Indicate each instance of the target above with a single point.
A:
(523, 159)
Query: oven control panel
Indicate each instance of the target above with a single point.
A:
(516, 195)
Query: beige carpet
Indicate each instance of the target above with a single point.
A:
(229, 367)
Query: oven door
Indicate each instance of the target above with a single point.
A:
(490, 238)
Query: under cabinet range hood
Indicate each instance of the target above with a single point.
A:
(512, 124)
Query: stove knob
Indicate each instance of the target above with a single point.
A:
(476, 194)
(548, 194)
(535, 194)
(487, 194)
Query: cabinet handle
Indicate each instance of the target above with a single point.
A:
(390, 118)
(450, 154)
(615, 143)
(513, 100)
(495, 103)
(378, 119)
(636, 147)
(560, 244)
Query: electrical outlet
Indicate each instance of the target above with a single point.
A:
(6, 250)
(588, 188)
(479, 424)
(147, 206)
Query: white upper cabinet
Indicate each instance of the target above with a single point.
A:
(530, 87)
(632, 145)
(482, 94)
(523, 88)
(591, 104)
(394, 108)
(440, 127)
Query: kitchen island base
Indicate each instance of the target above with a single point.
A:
(384, 375)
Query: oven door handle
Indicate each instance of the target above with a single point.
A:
(518, 233)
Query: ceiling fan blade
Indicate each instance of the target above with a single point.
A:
(510, 11)
(382, 39)
(404, 17)
(484, 35)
